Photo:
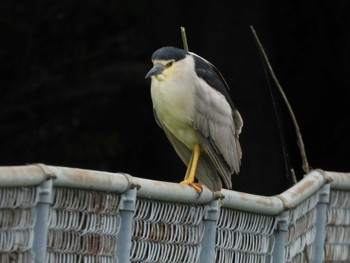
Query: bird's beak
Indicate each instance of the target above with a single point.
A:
(157, 69)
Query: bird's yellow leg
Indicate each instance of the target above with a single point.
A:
(191, 169)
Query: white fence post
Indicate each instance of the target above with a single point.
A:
(126, 211)
(42, 220)
(321, 223)
(280, 237)
(210, 220)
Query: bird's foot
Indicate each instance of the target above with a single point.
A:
(196, 186)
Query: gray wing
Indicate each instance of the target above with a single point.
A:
(206, 172)
(217, 120)
(218, 126)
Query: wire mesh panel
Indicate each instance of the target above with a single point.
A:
(17, 219)
(91, 226)
(301, 231)
(83, 226)
(337, 243)
(244, 237)
(166, 232)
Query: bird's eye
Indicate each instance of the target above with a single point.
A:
(169, 64)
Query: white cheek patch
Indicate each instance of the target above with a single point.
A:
(159, 77)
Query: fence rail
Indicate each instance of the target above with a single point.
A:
(60, 214)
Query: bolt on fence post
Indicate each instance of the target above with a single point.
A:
(321, 223)
(280, 237)
(210, 220)
(126, 211)
(41, 227)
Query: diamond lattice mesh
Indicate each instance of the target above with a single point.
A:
(337, 243)
(17, 219)
(244, 237)
(166, 232)
(301, 231)
(83, 226)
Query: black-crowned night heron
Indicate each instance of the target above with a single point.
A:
(192, 105)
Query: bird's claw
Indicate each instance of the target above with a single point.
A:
(197, 186)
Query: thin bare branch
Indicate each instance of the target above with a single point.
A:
(184, 38)
(305, 164)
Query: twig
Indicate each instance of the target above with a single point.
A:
(294, 178)
(286, 158)
(184, 38)
(300, 142)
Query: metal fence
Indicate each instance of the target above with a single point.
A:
(58, 214)
(337, 239)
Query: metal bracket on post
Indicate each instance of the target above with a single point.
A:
(210, 220)
(126, 211)
(321, 223)
(280, 237)
(44, 200)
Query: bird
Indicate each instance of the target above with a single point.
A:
(191, 103)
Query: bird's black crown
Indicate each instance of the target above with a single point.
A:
(168, 53)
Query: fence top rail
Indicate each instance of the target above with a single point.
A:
(21, 176)
(267, 205)
(340, 181)
(30, 175)
(274, 205)
(304, 188)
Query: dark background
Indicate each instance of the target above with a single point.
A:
(73, 91)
